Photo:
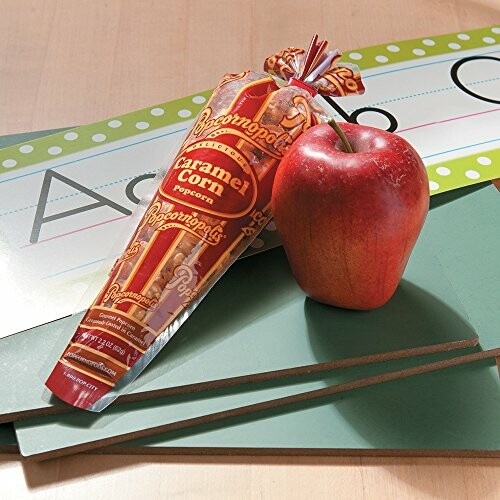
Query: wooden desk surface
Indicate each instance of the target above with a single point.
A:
(67, 62)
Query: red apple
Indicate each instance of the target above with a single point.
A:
(349, 221)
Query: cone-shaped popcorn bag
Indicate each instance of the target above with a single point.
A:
(212, 203)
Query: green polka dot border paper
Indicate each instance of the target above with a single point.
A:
(443, 176)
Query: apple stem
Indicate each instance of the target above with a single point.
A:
(341, 134)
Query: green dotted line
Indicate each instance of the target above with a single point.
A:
(88, 136)
(464, 171)
(407, 50)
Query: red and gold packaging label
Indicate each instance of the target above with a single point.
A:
(213, 201)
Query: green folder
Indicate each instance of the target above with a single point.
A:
(467, 396)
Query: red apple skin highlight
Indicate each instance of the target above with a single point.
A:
(350, 221)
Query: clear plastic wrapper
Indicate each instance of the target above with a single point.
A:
(212, 203)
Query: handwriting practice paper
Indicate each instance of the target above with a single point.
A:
(66, 199)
